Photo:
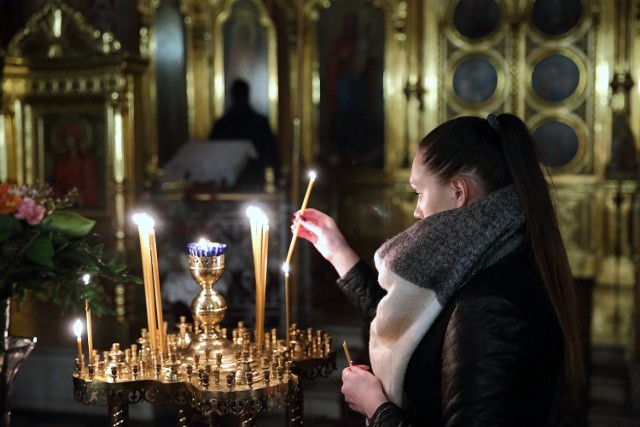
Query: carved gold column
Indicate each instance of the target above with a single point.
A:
(414, 87)
(623, 256)
(634, 107)
(4, 148)
(298, 94)
(117, 111)
(202, 84)
(7, 147)
(11, 135)
(517, 68)
(615, 291)
(147, 46)
(433, 15)
(396, 64)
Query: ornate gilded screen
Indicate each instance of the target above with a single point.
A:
(560, 83)
(72, 111)
(356, 116)
(75, 116)
(350, 59)
(553, 63)
(474, 42)
(536, 59)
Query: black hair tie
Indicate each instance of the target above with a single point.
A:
(493, 122)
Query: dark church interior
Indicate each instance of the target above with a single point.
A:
(117, 100)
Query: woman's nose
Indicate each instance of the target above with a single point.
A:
(417, 213)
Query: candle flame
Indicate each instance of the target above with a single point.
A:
(86, 278)
(143, 221)
(285, 267)
(77, 328)
(312, 175)
(256, 214)
(203, 243)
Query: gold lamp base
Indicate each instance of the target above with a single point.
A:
(209, 307)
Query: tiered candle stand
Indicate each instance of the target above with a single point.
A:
(211, 387)
(202, 372)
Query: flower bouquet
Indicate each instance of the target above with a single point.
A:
(46, 249)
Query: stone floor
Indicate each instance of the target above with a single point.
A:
(612, 401)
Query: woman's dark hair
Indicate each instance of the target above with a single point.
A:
(500, 151)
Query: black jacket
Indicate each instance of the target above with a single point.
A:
(491, 358)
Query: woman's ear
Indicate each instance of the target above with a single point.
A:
(460, 191)
(465, 190)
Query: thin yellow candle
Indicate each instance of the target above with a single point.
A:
(263, 280)
(259, 239)
(285, 268)
(143, 221)
(86, 279)
(257, 262)
(253, 213)
(156, 291)
(346, 352)
(77, 330)
(312, 179)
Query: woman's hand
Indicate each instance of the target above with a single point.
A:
(362, 390)
(322, 231)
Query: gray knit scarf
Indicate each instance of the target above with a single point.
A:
(422, 267)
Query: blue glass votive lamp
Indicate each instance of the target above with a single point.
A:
(205, 248)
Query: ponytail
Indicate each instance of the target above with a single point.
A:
(544, 237)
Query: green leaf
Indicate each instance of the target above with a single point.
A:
(9, 225)
(69, 223)
(40, 251)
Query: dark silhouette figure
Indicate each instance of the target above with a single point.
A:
(242, 122)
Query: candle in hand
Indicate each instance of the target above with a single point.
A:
(77, 330)
(86, 279)
(346, 352)
(312, 179)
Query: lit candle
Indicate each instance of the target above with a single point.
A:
(263, 280)
(312, 179)
(77, 330)
(156, 290)
(144, 223)
(86, 279)
(285, 269)
(260, 245)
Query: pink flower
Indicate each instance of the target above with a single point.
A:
(30, 211)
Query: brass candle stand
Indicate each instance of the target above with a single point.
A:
(208, 307)
(205, 373)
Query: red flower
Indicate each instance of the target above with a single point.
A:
(9, 201)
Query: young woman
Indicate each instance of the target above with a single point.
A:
(472, 308)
